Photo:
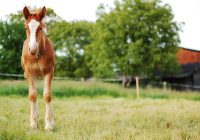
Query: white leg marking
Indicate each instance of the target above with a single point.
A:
(33, 103)
(33, 115)
(49, 122)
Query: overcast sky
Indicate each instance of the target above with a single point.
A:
(184, 10)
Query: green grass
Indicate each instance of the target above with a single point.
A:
(93, 89)
(96, 111)
(103, 118)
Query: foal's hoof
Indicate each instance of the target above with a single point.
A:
(48, 126)
(33, 125)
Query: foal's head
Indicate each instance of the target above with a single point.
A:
(34, 29)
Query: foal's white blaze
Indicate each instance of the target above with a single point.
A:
(33, 25)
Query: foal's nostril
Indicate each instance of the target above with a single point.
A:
(29, 49)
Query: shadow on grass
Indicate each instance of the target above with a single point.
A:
(91, 92)
(20, 90)
(155, 96)
(13, 90)
(61, 92)
(171, 95)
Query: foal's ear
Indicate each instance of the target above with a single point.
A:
(26, 12)
(42, 13)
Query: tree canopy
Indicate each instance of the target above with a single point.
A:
(70, 45)
(136, 37)
(12, 36)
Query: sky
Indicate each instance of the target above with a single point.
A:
(184, 10)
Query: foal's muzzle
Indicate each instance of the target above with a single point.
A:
(33, 52)
(33, 49)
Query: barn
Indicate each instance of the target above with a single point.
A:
(189, 76)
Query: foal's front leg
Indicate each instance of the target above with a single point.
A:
(33, 102)
(49, 122)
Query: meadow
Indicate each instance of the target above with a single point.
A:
(96, 110)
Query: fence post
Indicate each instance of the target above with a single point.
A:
(137, 87)
(164, 85)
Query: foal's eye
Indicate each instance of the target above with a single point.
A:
(25, 28)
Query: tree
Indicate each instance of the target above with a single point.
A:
(12, 36)
(70, 40)
(135, 38)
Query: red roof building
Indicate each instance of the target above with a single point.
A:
(189, 77)
(186, 56)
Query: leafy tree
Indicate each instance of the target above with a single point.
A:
(70, 40)
(135, 38)
(12, 36)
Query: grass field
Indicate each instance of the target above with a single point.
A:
(94, 110)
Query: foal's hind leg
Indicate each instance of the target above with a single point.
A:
(49, 122)
(33, 101)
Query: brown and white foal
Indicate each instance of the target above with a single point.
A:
(38, 60)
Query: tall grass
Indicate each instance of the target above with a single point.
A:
(59, 89)
(93, 89)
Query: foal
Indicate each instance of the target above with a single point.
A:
(38, 60)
